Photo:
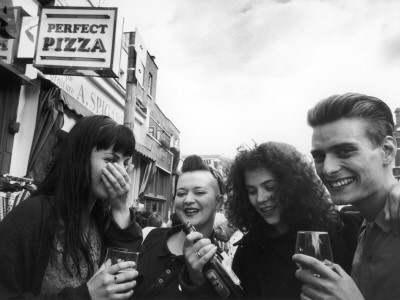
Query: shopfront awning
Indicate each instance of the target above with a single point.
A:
(74, 105)
(144, 151)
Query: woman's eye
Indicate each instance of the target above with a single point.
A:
(251, 192)
(110, 160)
(200, 192)
(270, 188)
(180, 194)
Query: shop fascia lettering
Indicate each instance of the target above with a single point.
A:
(72, 44)
(76, 41)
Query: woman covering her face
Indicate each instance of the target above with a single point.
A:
(273, 192)
(52, 244)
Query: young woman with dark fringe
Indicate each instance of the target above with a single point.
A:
(52, 245)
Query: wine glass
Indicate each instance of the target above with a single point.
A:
(315, 244)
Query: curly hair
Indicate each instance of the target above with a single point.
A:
(302, 197)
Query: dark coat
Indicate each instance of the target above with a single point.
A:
(25, 250)
(265, 266)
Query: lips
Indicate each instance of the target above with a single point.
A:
(191, 211)
(340, 182)
(267, 209)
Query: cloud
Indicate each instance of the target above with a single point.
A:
(233, 71)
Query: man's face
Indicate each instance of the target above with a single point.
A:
(347, 162)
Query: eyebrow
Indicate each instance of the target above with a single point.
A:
(115, 154)
(264, 182)
(334, 147)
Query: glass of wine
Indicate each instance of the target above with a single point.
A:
(315, 244)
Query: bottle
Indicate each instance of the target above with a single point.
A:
(219, 273)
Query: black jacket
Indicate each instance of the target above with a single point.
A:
(265, 266)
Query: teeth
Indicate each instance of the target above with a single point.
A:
(191, 210)
(342, 182)
(268, 208)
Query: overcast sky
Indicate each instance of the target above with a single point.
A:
(233, 71)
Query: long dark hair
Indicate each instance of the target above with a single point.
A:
(300, 193)
(68, 184)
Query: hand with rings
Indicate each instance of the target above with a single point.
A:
(197, 252)
(118, 183)
(109, 282)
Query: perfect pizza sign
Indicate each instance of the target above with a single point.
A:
(76, 41)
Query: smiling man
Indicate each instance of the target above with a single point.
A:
(353, 148)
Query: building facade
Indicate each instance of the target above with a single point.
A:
(36, 107)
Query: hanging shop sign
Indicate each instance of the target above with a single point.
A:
(9, 46)
(141, 58)
(76, 41)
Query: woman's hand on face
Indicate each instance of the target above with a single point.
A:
(197, 255)
(107, 283)
(118, 183)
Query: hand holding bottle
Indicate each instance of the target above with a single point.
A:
(218, 273)
(197, 252)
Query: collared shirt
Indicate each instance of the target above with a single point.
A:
(376, 263)
(159, 267)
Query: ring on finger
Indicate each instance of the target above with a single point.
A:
(115, 279)
(198, 253)
(123, 184)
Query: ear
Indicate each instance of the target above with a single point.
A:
(389, 147)
(220, 201)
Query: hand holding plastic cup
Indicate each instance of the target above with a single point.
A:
(120, 254)
(315, 244)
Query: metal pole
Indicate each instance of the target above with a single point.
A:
(131, 82)
(130, 100)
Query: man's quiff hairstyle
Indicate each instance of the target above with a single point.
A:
(374, 112)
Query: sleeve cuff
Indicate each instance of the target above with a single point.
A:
(131, 235)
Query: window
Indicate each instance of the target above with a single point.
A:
(159, 133)
(150, 85)
(159, 186)
(152, 131)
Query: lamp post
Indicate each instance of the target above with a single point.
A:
(131, 83)
(130, 98)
